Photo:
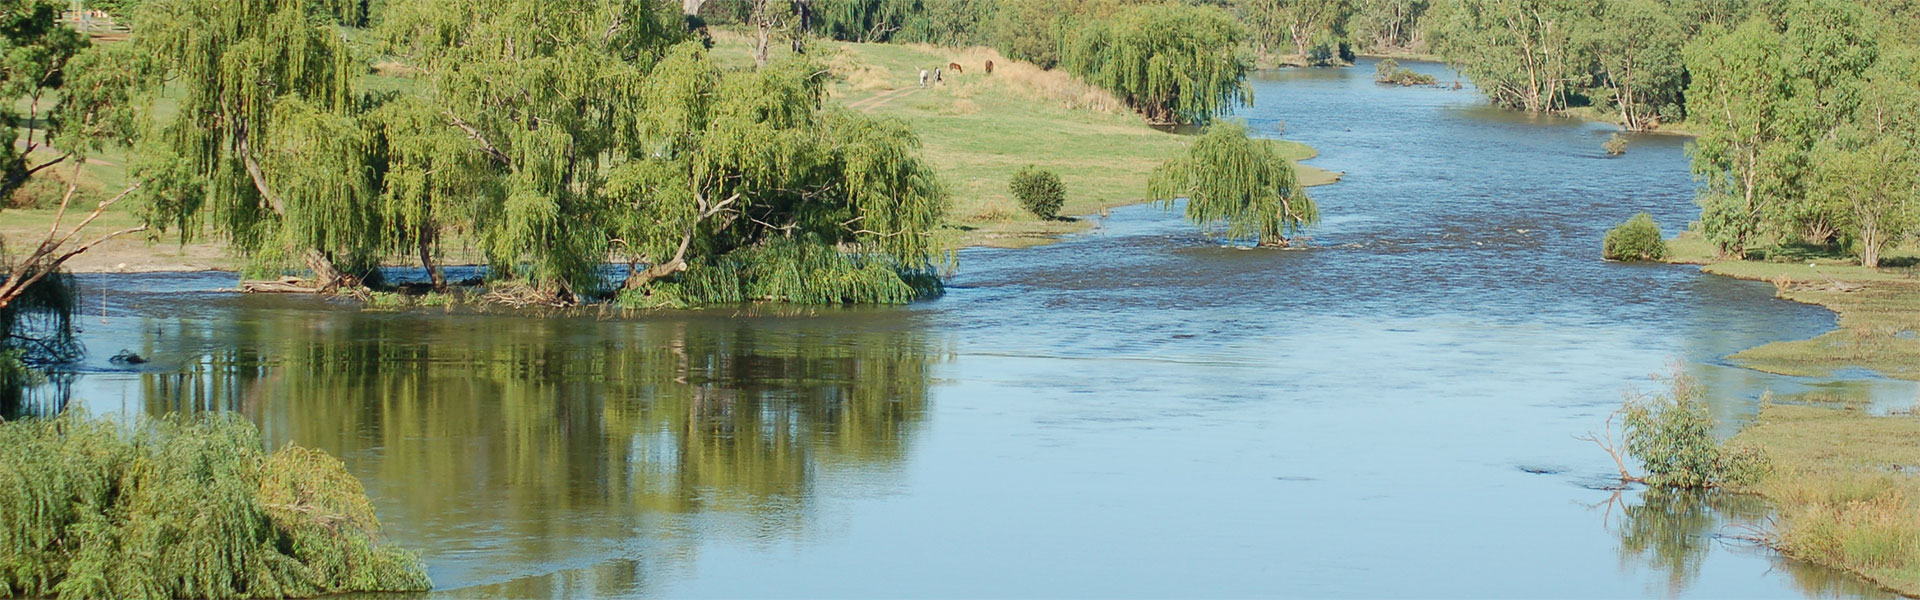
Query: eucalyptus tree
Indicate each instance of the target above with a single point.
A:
(1243, 184)
(1739, 101)
(1636, 45)
(265, 140)
(1174, 63)
(548, 98)
(1388, 24)
(1315, 29)
(741, 161)
(1868, 172)
(1520, 53)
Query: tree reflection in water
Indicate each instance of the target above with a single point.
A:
(1671, 531)
(569, 450)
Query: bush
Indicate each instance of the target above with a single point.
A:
(45, 192)
(183, 507)
(1039, 190)
(1671, 435)
(1389, 71)
(1638, 239)
(1615, 145)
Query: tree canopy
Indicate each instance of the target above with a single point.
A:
(1173, 63)
(1240, 184)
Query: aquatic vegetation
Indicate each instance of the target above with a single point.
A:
(1615, 145)
(1390, 71)
(1638, 239)
(181, 507)
(1039, 191)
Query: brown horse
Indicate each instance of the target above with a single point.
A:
(955, 67)
(989, 67)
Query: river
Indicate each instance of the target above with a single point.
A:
(1135, 411)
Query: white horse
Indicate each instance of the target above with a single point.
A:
(923, 78)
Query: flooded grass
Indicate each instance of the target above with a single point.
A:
(1843, 481)
(1843, 488)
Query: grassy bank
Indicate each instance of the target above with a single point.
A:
(1843, 482)
(975, 128)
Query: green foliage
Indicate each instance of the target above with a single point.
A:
(746, 157)
(1520, 53)
(1172, 63)
(1315, 29)
(1638, 239)
(1615, 145)
(548, 98)
(1636, 45)
(798, 271)
(1671, 435)
(943, 22)
(1389, 71)
(263, 140)
(34, 52)
(95, 511)
(1242, 183)
(1386, 25)
(1038, 190)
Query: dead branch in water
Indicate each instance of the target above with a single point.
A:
(1606, 442)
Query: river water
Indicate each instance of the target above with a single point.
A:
(1136, 411)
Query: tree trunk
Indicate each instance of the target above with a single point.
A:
(326, 276)
(426, 260)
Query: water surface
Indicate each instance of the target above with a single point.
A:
(1137, 411)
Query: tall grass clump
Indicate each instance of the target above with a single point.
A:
(1039, 191)
(183, 508)
(1638, 239)
(792, 271)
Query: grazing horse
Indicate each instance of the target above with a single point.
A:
(956, 67)
(989, 67)
(936, 74)
(923, 78)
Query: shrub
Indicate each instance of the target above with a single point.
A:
(1389, 71)
(1671, 434)
(45, 192)
(1615, 145)
(1039, 190)
(183, 507)
(1638, 239)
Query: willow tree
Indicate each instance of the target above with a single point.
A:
(550, 95)
(1174, 63)
(1243, 186)
(754, 191)
(265, 140)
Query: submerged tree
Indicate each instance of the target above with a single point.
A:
(1239, 182)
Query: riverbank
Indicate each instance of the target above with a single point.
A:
(1843, 481)
(974, 128)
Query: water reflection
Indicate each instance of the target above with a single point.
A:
(510, 448)
(1673, 533)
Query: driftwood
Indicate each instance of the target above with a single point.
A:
(283, 285)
